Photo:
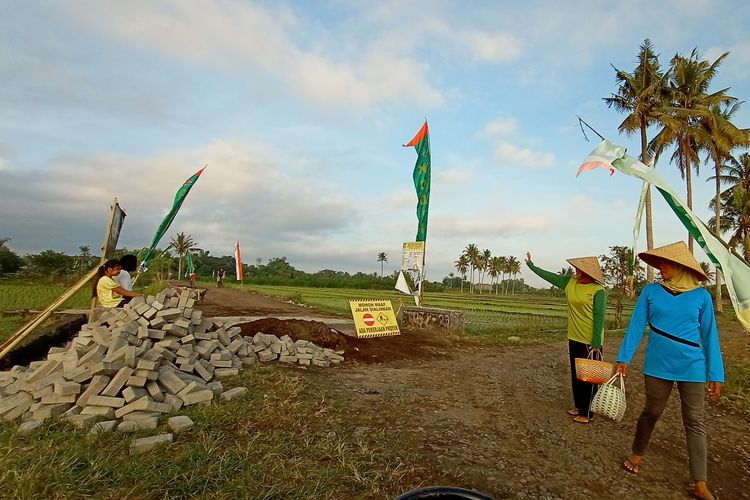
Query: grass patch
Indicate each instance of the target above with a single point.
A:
(10, 324)
(282, 440)
(737, 388)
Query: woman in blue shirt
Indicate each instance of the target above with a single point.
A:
(682, 347)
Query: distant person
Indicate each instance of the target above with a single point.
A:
(129, 265)
(108, 291)
(192, 277)
(220, 274)
(587, 303)
(682, 348)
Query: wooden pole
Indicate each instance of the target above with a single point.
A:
(103, 257)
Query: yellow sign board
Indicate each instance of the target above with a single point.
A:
(374, 318)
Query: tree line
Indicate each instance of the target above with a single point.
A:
(486, 265)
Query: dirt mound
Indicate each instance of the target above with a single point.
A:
(408, 345)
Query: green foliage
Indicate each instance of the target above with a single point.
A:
(51, 264)
(622, 280)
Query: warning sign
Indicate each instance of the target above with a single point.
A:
(412, 256)
(374, 318)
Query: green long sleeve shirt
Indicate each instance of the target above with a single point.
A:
(587, 306)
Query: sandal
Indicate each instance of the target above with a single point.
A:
(573, 411)
(631, 467)
(581, 419)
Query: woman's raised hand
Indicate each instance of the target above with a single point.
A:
(528, 257)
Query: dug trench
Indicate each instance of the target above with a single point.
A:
(493, 417)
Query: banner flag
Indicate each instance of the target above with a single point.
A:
(401, 284)
(189, 267)
(421, 175)
(167, 221)
(735, 270)
(118, 218)
(238, 261)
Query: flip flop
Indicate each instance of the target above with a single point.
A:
(573, 411)
(631, 467)
(580, 419)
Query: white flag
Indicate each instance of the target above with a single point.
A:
(401, 284)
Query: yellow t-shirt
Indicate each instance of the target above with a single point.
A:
(581, 310)
(105, 292)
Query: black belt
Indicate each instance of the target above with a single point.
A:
(672, 337)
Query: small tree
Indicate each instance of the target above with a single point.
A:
(10, 262)
(382, 258)
(182, 244)
(617, 273)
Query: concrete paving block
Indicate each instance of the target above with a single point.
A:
(118, 381)
(107, 401)
(140, 424)
(267, 355)
(136, 405)
(137, 415)
(143, 445)
(51, 399)
(82, 421)
(104, 426)
(287, 359)
(217, 387)
(64, 388)
(180, 423)
(173, 401)
(48, 411)
(203, 396)
(304, 362)
(226, 372)
(249, 360)
(132, 393)
(106, 412)
(203, 372)
(28, 426)
(233, 393)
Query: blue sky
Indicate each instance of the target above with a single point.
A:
(300, 109)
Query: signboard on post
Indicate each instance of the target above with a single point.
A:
(374, 318)
(412, 256)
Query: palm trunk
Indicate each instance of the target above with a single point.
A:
(717, 232)
(689, 182)
(649, 216)
(179, 268)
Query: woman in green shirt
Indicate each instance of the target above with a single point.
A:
(587, 304)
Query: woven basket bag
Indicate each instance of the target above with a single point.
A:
(609, 400)
(596, 371)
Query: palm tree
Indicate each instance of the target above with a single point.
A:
(722, 136)
(502, 264)
(514, 266)
(641, 95)
(382, 258)
(462, 265)
(690, 101)
(735, 202)
(181, 244)
(472, 253)
(493, 269)
(484, 260)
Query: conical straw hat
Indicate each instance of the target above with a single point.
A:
(674, 252)
(590, 266)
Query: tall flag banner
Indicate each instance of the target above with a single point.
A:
(238, 261)
(421, 143)
(189, 267)
(117, 220)
(735, 270)
(178, 199)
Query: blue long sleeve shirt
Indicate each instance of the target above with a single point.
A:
(693, 354)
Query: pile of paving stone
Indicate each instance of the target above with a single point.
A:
(131, 365)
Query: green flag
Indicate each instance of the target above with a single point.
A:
(178, 199)
(189, 268)
(421, 143)
(735, 270)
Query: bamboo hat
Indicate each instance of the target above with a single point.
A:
(589, 266)
(677, 253)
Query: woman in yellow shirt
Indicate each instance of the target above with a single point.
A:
(106, 289)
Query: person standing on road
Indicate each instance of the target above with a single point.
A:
(587, 303)
(108, 291)
(220, 277)
(683, 347)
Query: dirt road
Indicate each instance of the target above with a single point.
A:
(494, 418)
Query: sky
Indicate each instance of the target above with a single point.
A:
(300, 109)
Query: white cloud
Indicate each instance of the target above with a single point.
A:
(493, 47)
(453, 175)
(501, 127)
(401, 198)
(507, 153)
(240, 37)
(481, 227)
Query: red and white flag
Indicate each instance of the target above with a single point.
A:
(238, 261)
